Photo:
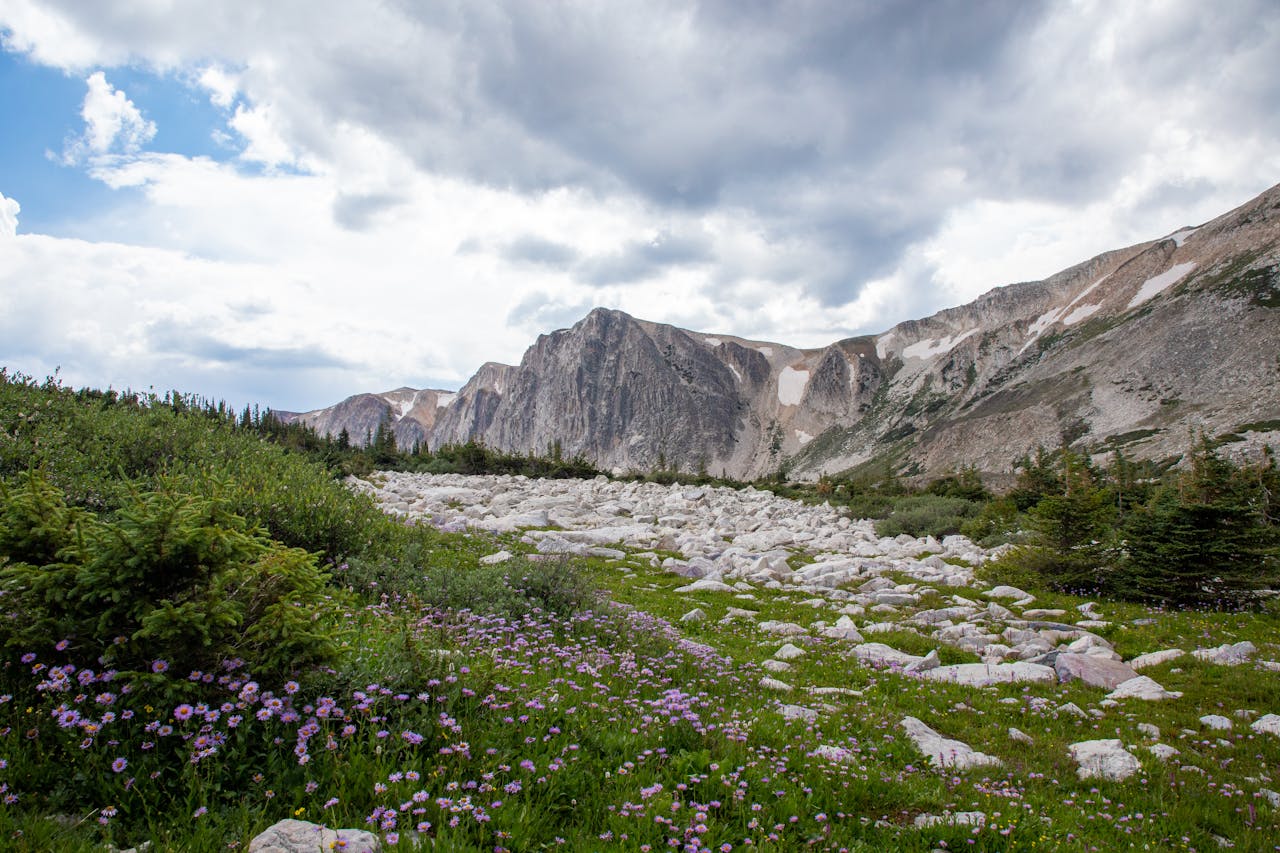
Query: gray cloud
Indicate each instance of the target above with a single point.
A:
(543, 312)
(641, 259)
(357, 211)
(185, 341)
(538, 251)
(849, 129)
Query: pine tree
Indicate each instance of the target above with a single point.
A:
(1072, 530)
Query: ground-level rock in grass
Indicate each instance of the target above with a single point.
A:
(783, 629)
(1143, 687)
(1217, 722)
(844, 629)
(1103, 759)
(1010, 592)
(1156, 658)
(924, 821)
(495, 559)
(798, 712)
(1228, 654)
(1162, 751)
(775, 666)
(1268, 724)
(789, 652)
(1019, 735)
(298, 836)
(1092, 670)
(882, 655)
(697, 614)
(706, 585)
(984, 674)
(774, 684)
(944, 752)
(929, 661)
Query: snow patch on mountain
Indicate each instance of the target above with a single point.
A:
(791, 384)
(1158, 284)
(930, 347)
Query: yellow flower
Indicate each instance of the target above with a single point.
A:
(299, 810)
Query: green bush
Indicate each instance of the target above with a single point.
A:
(171, 577)
(926, 515)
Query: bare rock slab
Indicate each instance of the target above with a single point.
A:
(944, 752)
(1156, 658)
(1103, 759)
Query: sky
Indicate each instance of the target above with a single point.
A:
(290, 202)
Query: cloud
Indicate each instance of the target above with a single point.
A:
(113, 123)
(539, 251)
(463, 175)
(9, 210)
(642, 259)
(189, 341)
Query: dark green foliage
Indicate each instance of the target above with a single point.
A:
(966, 484)
(170, 577)
(927, 515)
(1206, 537)
(1072, 531)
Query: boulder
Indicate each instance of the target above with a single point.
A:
(697, 614)
(1156, 658)
(984, 674)
(882, 655)
(1217, 722)
(783, 629)
(706, 585)
(299, 836)
(1092, 670)
(1103, 759)
(1142, 687)
(1228, 654)
(1268, 724)
(944, 752)
(924, 821)
(789, 652)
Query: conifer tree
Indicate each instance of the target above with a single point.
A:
(1204, 538)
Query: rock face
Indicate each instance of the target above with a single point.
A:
(1130, 349)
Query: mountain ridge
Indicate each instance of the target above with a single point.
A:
(1136, 347)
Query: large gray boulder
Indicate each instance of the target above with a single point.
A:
(298, 836)
(1092, 670)
(986, 674)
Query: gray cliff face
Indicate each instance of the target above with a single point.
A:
(1132, 349)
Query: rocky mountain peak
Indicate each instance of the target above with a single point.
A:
(1133, 348)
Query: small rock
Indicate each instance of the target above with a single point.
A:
(697, 614)
(1142, 687)
(924, 821)
(1156, 658)
(798, 712)
(1151, 731)
(1162, 751)
(774, 684)
(1217, 722)
(1071, 708)
(1103, 759)
(775, 666)
(944, 752)
(1268, 724)
(298, 836)
(495, 559)
(789, 652)
(1228, 654)
(1019, 735)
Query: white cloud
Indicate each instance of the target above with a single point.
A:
(9, 209)
(113, 123)
(221, 85)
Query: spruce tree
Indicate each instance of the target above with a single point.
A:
(1204, 539)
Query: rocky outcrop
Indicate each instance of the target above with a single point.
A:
(1131, 349)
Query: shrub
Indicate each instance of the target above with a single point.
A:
(171, 577)
(926, 515)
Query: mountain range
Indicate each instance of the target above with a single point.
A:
(1138, 348)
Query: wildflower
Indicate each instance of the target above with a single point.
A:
(119, 765)
(291, 687)
(183, 712)
(200, 812)
(158, 666)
